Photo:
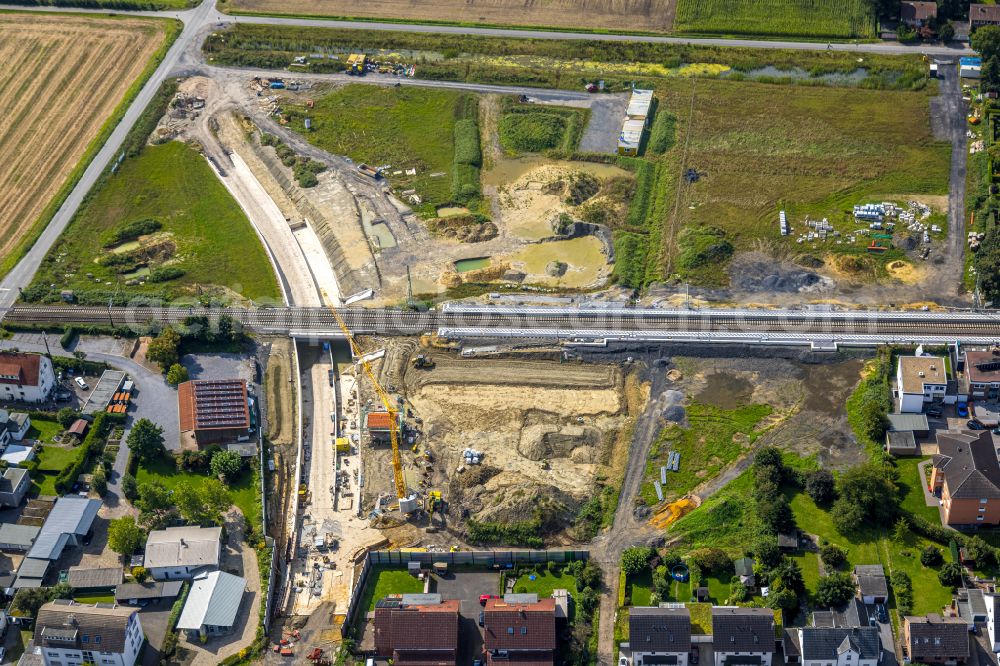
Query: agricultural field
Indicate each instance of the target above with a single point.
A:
(614, 15)
(787, 18)
(813, 152)
(63, 78)
(163, 226)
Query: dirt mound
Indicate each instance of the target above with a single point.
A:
(547, 441)
(477, 475)
(760, 273)
(514, 501)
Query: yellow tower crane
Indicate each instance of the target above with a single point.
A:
(397, 463)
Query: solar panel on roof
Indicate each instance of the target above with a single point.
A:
(988, 366)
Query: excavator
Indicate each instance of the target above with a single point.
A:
(390, 408)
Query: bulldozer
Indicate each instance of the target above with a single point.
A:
(422, 362)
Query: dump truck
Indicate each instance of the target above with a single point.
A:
(356, 64)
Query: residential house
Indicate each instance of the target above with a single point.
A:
(25, 377)
(982, 368)
(917, 13)
(135, 594)
(17, 538)
(214, 410)
(992, 618)
(933, 639)
(839, 646)
(72, 634)
(179, 552)
(872, 585)
(966, 476)
(658, 636)
(980, 15)
(743, 636)
(16, 424)
(519, 632)
(417, 629)
(67, 524)
(212, 604)
(14, 485)
(919, 379)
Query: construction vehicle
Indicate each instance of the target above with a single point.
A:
(369, 171)
(421, 362)
(876, 247)
(407, 503)
(356, 64)
(434, 501)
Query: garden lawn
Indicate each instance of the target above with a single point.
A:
(809, 563)
(913, 494)
(407, 128)
(94, 598)
(204, 233)
(641, 588)
(43, 430)
(244, 494)
(56, 458)
(545, 582)
(714, 439)
(43, 483)
(383, 582)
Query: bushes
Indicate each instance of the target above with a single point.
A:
(663, 134)
(524, 533)
(702, 245)
(868, 405)
(467, 148)
(902, 588)
(303, 169)
(465, 183)
(165, 273)
(533, 132)
(834, 590)
(69, 337)
(636, 560)
(832, 556)
(131, 231)
(99, 430)
(931, 556)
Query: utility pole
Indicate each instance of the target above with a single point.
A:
(45, 338)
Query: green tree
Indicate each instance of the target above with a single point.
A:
(588, 600)
(140, 574)
(634, 560)
(61, 591)
(202, 502)
(164, 348)
(155, 504)
(990, 75)
(950, 575)
(146, 440)
(931, 556)
(980, 552)
(821, 486)
(986, 40)
(946, 32)
(99, 481)
(177, 374)
(900, 530)
(28, 600)
(124, 536)
(788, 575)
(783, 599)
(832, 556)
(66, 416)
(226, 464)
(868, 496)
(834, 590)
(130, 488)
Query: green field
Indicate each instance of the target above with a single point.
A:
(716, 437)
(203, 235)
(535, 129)
(43, 430)
(811, 151)
(56, 458)
(242, 490)
(406, 128)
(789, 18)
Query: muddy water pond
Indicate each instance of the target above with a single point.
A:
(471, 264)
(584, 259)
(725, 391)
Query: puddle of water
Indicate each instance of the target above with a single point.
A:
(725, 391)
(508, 170)
(451, 211)
(126, 247)
(471, 264)
(584, 258)
(137, 273)
(376, 230)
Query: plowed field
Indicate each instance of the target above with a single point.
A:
(62, 77)
(626, 15)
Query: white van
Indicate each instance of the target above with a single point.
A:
(82, 384)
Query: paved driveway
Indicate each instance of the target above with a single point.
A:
(467, 587)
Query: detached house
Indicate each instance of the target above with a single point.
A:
(919, 379)
(519, 632)
(933, 639)
(743, 636)
(25, 377)
(966, 476)
(917, 13)
(658, 636)
(72, 634)
(417, 629)
(180, 552)
(839, 646)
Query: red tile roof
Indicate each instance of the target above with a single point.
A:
(20, 369)
(520, 626)
(917, 10)
(213, 404)
(984, 14)
(418, 635)
(377, 420)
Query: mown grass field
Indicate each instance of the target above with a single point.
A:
(204, 233)
(716, 437)
(406, 128)
(813, 151)
(63, 77)
(791, 18)
(383, 582)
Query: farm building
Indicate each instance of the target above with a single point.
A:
(214, 410)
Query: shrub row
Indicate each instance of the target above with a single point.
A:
(131, 231)
(524, 533)
(69, 336)
(99, 429)
(467, 149)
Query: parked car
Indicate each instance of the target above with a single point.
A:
(933, 412)
(883, 614)
(82, 384)
(483, 598)
(962, 409)
(996, 431)
(973, 424)
(693, 657)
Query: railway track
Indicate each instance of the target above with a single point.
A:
(513, 321)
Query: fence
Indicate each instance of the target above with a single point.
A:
(475, 558)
